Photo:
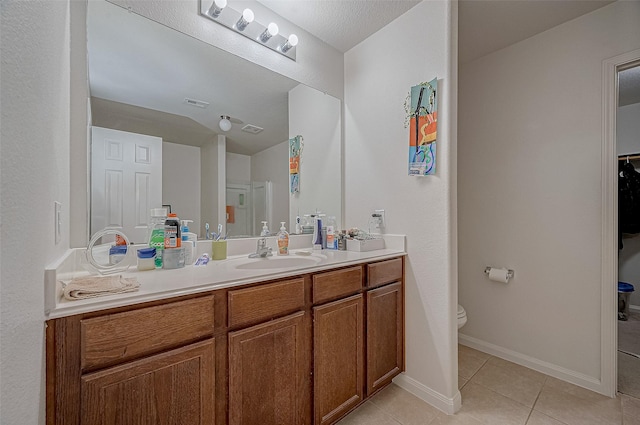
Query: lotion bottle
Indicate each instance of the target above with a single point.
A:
(283, 240)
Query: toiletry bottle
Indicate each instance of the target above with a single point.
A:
(317, 233)
(172, 234)
(265, 229)
(283, 240)
(156, 233)
(298, 224)
(332, 242)
(186, 243)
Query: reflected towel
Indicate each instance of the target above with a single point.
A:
(96, 286)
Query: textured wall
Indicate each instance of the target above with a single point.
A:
(379, 72)
(34, 172)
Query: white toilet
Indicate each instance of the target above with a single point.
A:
(462, 316)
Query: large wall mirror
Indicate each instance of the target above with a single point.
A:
(157, 97)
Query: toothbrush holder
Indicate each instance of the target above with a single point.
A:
(219, 250)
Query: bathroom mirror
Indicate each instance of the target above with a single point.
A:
(151, 80)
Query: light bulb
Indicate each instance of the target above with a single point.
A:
(292, 41)
(216, 8)
(272, 29)
(245, 19)
(225, 124)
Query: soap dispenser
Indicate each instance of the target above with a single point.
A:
(265, 229)
(283, 240)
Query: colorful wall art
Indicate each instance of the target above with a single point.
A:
(295, 150)
(422, 119)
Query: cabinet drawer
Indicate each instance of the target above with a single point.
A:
(331, 285)
(118, 337)
(384, 272)
(265, 302)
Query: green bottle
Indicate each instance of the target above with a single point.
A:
(156, 233)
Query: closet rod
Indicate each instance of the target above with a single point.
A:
(629, 157)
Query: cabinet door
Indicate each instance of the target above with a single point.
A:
(338, 358)
(385, 355)
(172, 388)
(268, 369)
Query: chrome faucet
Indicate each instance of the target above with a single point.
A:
(262, 250)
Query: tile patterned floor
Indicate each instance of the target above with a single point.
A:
(497, 392)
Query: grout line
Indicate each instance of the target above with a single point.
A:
(381, 410)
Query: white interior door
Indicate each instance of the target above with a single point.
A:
(239, 198)
(126, 181)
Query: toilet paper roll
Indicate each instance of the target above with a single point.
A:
(499, 275)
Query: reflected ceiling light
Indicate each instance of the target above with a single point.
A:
(216, 8)
(245, 19)
(292, 41)
(272, 29)
(225, 123)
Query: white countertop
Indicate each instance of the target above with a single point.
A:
(162, 284)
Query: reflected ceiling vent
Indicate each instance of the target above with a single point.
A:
(194, 102)
(253, 129)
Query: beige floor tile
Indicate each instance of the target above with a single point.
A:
(511, 380)
(404, 407)
(491, 408)
(538, 418)
(630, 406)
(458, 419)
(628, 374)
(368, 414)
(461, 382)
(573, 405)
(470, 361)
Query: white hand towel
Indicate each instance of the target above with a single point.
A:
(96, 286)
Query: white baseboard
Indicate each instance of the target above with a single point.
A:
(434, 398)
(550, 369)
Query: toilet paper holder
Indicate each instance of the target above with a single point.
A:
(510, 273)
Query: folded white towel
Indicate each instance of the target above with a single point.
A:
(96, 286)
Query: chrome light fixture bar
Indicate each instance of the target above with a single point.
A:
(244, 23)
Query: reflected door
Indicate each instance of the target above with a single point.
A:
(126, 181)
(239, 209)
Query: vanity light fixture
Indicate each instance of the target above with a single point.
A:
(272, 29)
(292, 42)
(225, 123)
(216, 8)
(244, 23)
(245, 19)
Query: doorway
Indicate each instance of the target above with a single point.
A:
(627, 123)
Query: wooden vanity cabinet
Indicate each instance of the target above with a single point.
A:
(297, 351)
(176, 387)
(385, 322)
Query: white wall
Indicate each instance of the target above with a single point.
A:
(529, 160)
(212, 189)
(34, 171)
(181, 181)
(238, 167)
(263, 169)
(379, 72)
(317, 118)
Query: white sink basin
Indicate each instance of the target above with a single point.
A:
(277, 262)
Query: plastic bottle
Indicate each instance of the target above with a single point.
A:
(298, 225)
(265, 229)
(172, 233)
(156, 233)
(283, 240)
(187, 242)
(332, 240)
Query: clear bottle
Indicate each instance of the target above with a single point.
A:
(265, 229)
(332, 239)
(283, 240)
(156, 233)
